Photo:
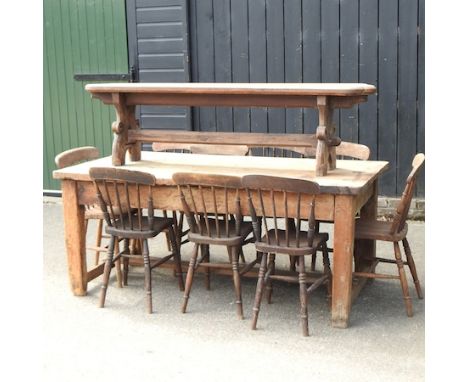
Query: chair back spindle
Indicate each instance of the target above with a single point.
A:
(201, 194)
(113, 193)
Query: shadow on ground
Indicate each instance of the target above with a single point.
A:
(122, 342)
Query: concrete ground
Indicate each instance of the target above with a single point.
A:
(122, 342)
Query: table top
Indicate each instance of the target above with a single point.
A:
(303, 89)
(349, 177)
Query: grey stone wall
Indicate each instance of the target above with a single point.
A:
(386, 207)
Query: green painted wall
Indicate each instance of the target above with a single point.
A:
(80, 36)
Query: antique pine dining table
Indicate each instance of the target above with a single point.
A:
(347, 186)
(350, 188)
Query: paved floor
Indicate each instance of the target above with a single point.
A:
(122, 342)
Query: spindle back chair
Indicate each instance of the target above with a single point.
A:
(344, 150)
(115, 189)
(192, 148)
(92, 212)
(200, 195)
(182, 148)
(267, 195)
(394, 231)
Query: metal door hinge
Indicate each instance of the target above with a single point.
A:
(130, 77)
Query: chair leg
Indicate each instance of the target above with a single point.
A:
(241, 254)
(147, 265)
(168, 235)
(118, 266)
(135, 248)
(303, 297)
(189, 278)
(327, 270)
(176, 235)
(168, 241)
(292, 263)
(98, 240)
(126, 262)
(314, 260)
(403, 281)
(106, 273)
(259, 291)
(412, 267)
(180, 227)
(205, 250)
(236, 278)
(314, 255)
(177, 260)
(269, 285)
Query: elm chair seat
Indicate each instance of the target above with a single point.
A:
(158, 225)
(223, 236)
(378, 230)
(282, 247)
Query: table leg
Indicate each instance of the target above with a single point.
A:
(75, 239)
(125, 120)
(325, 156)
(366, 248)
(343, 244)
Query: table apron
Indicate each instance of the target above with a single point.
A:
(166, 197)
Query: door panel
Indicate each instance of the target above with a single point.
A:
(79, 37)
(158, 49)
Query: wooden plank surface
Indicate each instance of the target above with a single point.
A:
(348, 178)
(330, 44)
(225, 138)
(293, 54)
(332, 89)
(387, 101)
(421, 121)
(311, 54)
(222, 57)
(275, 43)
(349, 65)
(240, 58)
(368, 73)
(205, 72)
(258, 61)
(407, 90)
